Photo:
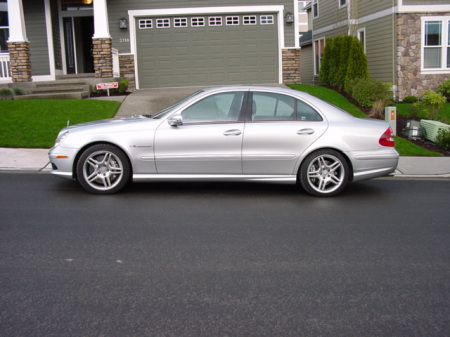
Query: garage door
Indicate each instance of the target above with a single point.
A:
(207, 50)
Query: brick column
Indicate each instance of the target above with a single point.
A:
(103, 64)
(291, 66)
(20, 62)
(127, 69)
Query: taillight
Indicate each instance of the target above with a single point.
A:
(387, 139)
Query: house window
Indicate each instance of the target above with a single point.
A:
(436, 44)
(4, 27)
(198, 22)
(250, 20)
(315, 9)
(266, 19)
(215, 21)
(180, 22)
(232, 20)
(145, 23)
(319, 48)
(362, 37)
(342, 3)
(162, 23)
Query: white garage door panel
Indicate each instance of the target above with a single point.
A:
(207, 55)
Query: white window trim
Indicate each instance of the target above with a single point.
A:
(198, 21)
(226, 10)
(314, 53)
(266, 20)
(344, 5)
(358, 32)
(215, 21)
(444, 46)
(180, 22)
(163, 23)
(315, 14)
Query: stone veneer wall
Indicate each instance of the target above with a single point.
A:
(291, 66)
(127, 69)
(103, 63)
(20, 63)
(410, 80)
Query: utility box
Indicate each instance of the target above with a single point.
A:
(431, 128)
(413, 130)
(390, 115)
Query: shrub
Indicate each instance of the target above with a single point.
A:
(6, 93)
(123, 86)
(367, 91)
(416, 109)
(410, 99)
(434, 102)
(357, 63)
(444, 89)
(443, 139)
(378, 109)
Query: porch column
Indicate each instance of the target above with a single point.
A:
(102, 42)
(18, 45)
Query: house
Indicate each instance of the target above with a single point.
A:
(407, 42)
(153, 43)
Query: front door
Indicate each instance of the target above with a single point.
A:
(78, 32)
(208, 142)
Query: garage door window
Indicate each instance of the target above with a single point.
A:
(163, 23)
(224, 107)
(250, 20)
(266, 19)
(232, 20)
(145, 24)
(198, 22)
(180, 22)
(215, 21)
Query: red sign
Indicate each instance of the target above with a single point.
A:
(109, 85)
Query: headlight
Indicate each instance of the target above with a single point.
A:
(61, 137)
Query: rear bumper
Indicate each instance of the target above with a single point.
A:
(373, 165)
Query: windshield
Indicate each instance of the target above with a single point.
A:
(169, 109)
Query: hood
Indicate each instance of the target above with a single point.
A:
(113, 124)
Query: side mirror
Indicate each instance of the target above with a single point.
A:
(175, 120)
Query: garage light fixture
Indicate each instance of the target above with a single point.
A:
(123, 23)
(87, 2)
(289, 17)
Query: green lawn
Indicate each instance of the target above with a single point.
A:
(35, 123)
(403, 146)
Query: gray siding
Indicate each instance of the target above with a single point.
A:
(367, 7)
(426, 2)
(329, 14)
(380, 48)
(306, 65)
(118, 9)
(34, 12)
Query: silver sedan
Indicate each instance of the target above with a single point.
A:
(240, 133)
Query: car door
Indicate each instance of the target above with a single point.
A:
(208, 139)
(278, 130)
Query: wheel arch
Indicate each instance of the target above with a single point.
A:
(347, 159)
(86, 146)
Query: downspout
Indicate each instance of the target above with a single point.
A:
(394, 51)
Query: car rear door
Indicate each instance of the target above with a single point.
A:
(279, 128)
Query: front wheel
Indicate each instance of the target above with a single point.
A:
(324, 173)
(103, 169)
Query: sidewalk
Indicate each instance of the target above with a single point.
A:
(36, 160)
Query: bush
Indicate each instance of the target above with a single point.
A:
(123, 86)
(367, 91)
(410, 99)
(443, 139)
(416, 109)
(6, 93)
(444, 89)
(434, 102)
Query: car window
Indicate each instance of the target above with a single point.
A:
(306, 113)
(279, 107)
(272, 107)
(223, 107)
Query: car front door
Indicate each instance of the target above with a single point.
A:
(207, 139)
(278, 131)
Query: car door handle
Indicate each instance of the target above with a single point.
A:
(305, 132)
(234, 132)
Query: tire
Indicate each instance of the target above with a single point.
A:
(103, 169)
(324, 173)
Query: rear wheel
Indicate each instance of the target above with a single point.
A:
(324, 173)
(103, 169)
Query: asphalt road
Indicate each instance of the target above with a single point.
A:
(223, 260)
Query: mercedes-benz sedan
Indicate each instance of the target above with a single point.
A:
(243, 133)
